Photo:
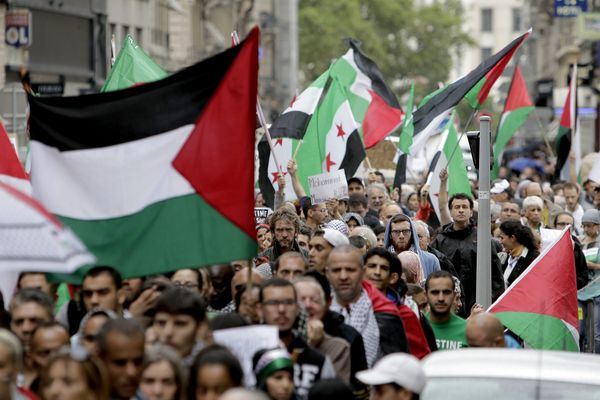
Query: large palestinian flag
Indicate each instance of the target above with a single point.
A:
(517, 108)
(436, 106)
(348, 108)
(541, 304)
(11, 169)
(159, 176)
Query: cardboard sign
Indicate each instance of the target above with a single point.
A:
(261, 214)
(244, 342)
(329, 185)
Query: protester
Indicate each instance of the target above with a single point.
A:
(485, 330)
(46, 340)
(321, 244)
(274, 371)
(36, 280)
(518, 242)
(263, 237)
(333, 388)
(285, 226)
(163, 375)
(533, 207)
(187, 278)
(29, 309)
(289, 266)
(449, 328)
(74, 376)
(214, 371)
(11, 360)
(90, 326)
(395, 377)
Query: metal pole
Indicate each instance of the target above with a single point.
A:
(483, 291)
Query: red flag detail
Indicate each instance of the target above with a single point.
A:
(380, 120)
(328, 162)
(9, 162)
(218, 157)
(518, 96)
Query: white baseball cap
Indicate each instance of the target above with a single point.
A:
(335, 237)
(399, 368)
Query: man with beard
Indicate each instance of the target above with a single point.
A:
(449, 328)
(285, 226)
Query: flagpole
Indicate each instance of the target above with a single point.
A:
(297, 148)
(259, 112)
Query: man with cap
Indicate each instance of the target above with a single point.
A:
(355, 185)
(397, 376)
(321, 244)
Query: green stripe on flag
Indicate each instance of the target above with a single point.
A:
(177, 233)
(408, 128)
(511, 122)
(346, 75)
(540, 331)
(458, 180)
(471, 96)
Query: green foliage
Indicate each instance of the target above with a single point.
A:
(409, 42)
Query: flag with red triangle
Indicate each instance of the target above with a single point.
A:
(163, 177)
(562, 143)
(541, 304)
(517, 108)
(11, 169)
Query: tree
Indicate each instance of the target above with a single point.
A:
(409, 42)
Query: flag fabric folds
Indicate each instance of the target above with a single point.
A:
(162, 177)
(435, 107)
(347, 109)
(132, 66)
(517, 108)
(449, 154)
(541, 304)
(11, 169)
(566, 128)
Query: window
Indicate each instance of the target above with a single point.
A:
(125, 32)
(138, 36)
(517, 21)
(486, 19)
(486, 52)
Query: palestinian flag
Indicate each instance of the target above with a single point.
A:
(449, 154)
(517, 108)
(11, 169)
(406, 139)
(566, 128)
(479, 93)
(348, 108)
(132, 67)
(541, 304)
(156, 177)
(435, 107)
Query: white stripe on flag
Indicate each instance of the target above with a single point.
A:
(109, 182)
(420, 138)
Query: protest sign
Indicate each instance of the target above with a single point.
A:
(261, 214)
(244, 342)
(329, 185)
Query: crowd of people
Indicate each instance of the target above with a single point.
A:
(359, 289)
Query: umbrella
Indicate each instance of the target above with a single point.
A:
(32, 239)
(519, 164)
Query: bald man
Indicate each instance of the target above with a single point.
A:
(485, 330)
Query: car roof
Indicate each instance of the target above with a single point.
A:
(514, 364)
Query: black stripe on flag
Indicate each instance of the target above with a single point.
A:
(355, 154)
(455, 92)
(370, 69)
(264, 182)
(106, 119)
(291, 124)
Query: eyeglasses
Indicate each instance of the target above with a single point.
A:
(187, 285)
(277, 303)
(404, 232)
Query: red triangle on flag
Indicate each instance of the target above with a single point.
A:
(518, 96)
(9, 162)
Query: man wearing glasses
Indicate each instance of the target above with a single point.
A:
(278, 306)
(401, 235)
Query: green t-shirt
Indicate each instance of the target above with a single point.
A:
(450, 335)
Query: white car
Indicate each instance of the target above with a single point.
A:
(499, 374)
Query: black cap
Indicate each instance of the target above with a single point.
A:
(357, 180)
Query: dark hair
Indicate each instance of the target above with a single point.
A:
(275, 282)
(568, 214)
(176, 300)
(226, 321)
(288, 254)
(395, 264)
(460, 196)
(48, 325)
(380, 174)
(256, 358)
(357, 241)
(26, 273)
(215, 355)
(240, 292)
(378, 229)
(414, 289)
(284, 213)
(126, 327)
(327, 389)
(199, 279)
(411, 195)
(357, 199)
(33, 296)
(571, 185)
(437, 275)
(105, 269)
(322, 280)
(400, 218)
(521, 232)
(305, 230)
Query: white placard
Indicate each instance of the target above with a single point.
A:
(261, 214)
(244, 342)
(329, 185)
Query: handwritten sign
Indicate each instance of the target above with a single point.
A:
(261, 214)
(329, 185)
(244, 342)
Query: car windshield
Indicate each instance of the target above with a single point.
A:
(506, 389)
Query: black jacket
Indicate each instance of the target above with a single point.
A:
(308, 366)
(522, 264)
(581, 269)
(461, 247)
(334, 325)
(445, 262)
